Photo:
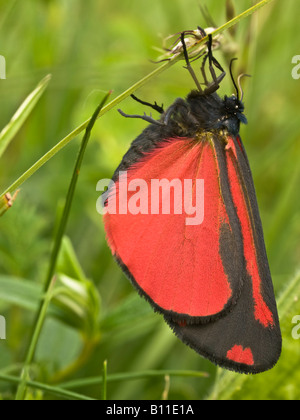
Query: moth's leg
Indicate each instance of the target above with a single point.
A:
(154, 106)
(142, 117)
(188, 64)
(215, 84)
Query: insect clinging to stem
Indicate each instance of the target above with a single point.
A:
(207, 276)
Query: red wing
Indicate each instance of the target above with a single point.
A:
(257, 266)
(181, 269)
(248, 338)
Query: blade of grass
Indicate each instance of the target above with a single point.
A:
(41, 314)
(241, 16)
(8, 132)
(104, 381)
(59, 146)
(53, 390)
(64, 389)
(132, 376)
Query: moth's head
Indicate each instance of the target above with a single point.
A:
(231, 114)
(234, 109)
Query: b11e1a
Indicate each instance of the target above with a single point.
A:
(171, 409)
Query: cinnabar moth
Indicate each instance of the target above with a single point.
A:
(210, 281)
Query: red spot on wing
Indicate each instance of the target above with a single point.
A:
(177, 266)
(261, 311)
(240, 355)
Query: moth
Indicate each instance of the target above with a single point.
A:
(210, 280)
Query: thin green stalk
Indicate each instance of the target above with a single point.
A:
(64, 389)
(33, 343)
(241, 16)
(59, 146)
(53, 390)
(40, 318)
(11, 129)
(132, 376)
(104, 381)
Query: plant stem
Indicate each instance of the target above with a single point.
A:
(59, 392)
(241, 16)
(133, 376)
(64, 389)
(104, 381)
(16, 122)
(49, 282)
(120, 98)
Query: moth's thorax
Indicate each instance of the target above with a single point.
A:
(212, 112)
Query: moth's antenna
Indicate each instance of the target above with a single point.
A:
(232, 78)
(240, 86)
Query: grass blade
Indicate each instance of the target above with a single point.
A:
(56, 248)
(104, 381)
(99, 380)
(53, 390)
(15, 124)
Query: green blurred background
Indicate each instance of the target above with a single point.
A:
(90, 47)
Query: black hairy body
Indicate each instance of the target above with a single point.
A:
(186, 118)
